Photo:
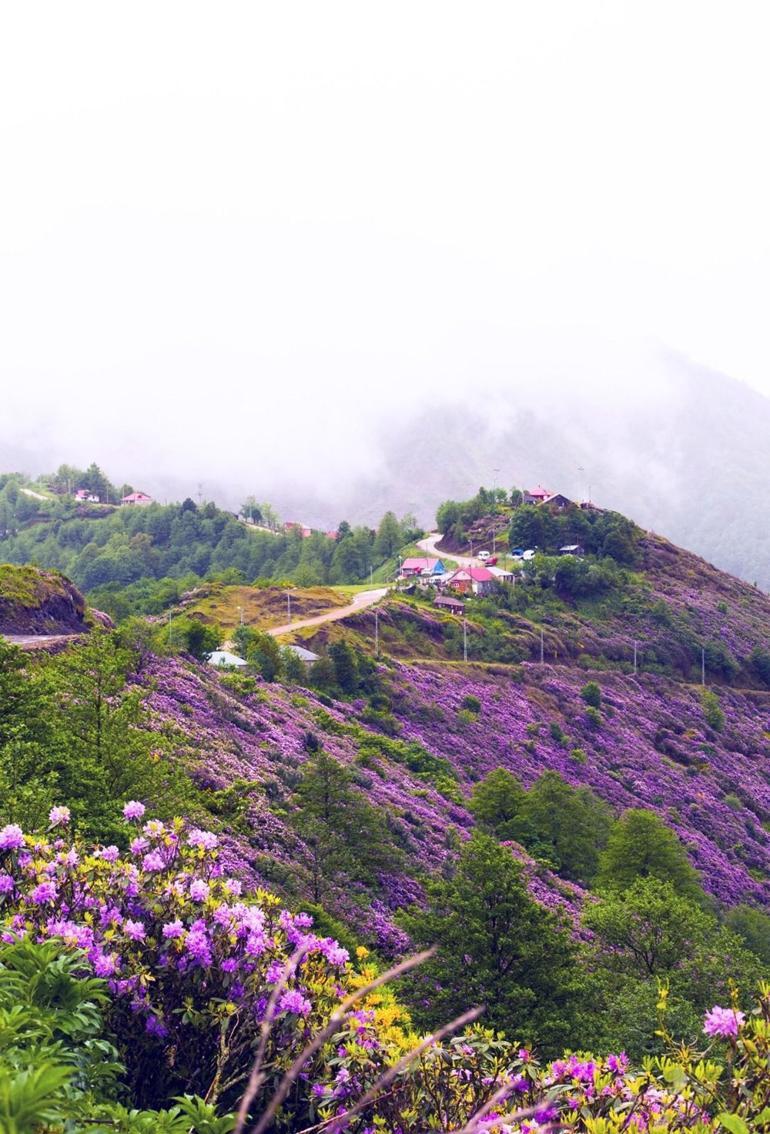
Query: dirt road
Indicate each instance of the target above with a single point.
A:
(429, 545)
(360, 602)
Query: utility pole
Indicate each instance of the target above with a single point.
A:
(465, 640)
(240, 612)
(371, 580)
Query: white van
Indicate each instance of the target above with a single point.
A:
(484, 555)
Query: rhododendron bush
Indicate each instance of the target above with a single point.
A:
(194, 971)
(189, 964)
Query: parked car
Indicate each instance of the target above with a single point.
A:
(528, 554)
(483, 556)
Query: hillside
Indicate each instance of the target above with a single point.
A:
(39, 602)
(653, 748)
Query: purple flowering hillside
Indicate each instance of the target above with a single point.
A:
(651, 747)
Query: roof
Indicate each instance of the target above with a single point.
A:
(500, 572)
(135, 496)
(476, 574)
(419, 564)
(225, 659)
(540, 491)
(303, 654)
(447, 600)
(571, 547)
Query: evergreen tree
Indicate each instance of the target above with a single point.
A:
(344, 833)
(345, 666)
(389, 537)
(497, 947)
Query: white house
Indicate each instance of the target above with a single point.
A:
(223, 659)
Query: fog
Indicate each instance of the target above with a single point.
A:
(248, 246)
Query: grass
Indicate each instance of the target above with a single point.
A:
(27, 586)
(349, 590)
(262, 607)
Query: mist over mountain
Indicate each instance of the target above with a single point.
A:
(687, 458)
(680, 448)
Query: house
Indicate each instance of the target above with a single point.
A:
(557, 502)
(223, 659)
(139, 498)
(536, 495)
(306, 656)
(421, 566)
(451, 605)
(296, 526)
(85, 496)
(571, 549)
(501, 574)
(472, 580)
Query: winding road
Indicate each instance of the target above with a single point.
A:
(360, 602)
(429, 545)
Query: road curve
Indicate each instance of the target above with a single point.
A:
(360, 602)
(429, 545)
(39, 641)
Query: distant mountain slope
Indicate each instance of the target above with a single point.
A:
(689, 461)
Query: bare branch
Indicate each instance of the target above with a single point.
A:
(335, 1023)
(256, 1077)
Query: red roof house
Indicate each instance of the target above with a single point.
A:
(137, 498)
(475, 580)
(536, 495)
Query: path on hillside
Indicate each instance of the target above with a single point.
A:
(429, 544)
(360, 602)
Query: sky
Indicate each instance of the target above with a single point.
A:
(237, 240)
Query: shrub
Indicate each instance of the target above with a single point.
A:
(592, 694)
(712, 710)
(471, 703)
(594, 717)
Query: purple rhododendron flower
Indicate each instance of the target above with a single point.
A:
(44, 892)
(59, 816)
(724, 1022)
(6, 884)
(11, 837)
(153, 862)
(173, 929)
(134, 929)
(109, 854)
(199, 890)
(294, 1001)
(205, 839)
(133, 810)
(138, 845)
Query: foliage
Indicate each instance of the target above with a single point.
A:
(495, 946)
(712, 710)
(640, 845)
(563, 826)
(58, 1068)
(193, 637)
(648, 934)
(592, 694)
(344, 833)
